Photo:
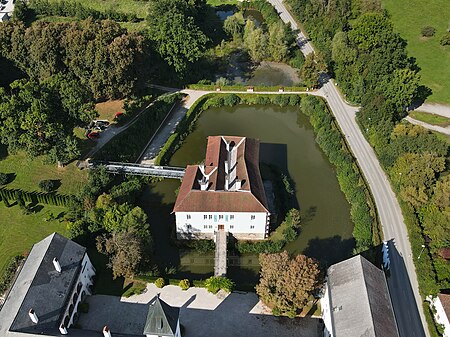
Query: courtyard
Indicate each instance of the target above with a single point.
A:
(201, 314)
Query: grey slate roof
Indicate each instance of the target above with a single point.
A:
(359, 300)
(40, 287)
(161, 319)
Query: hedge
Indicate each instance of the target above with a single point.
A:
(10, 194)
(243, 88)
(10, 272)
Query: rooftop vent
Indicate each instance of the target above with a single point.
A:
(57, 265)
(106, 331)
(33, 316)
(62, 329)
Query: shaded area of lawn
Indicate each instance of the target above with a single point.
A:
(29, 172)
(19, 232)
(409, 16)
(430, 118)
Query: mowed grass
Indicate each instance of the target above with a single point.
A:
(29, 172)
(140, 8)
(107, 110)
(18, 232)
(430, 118)
(409, 16)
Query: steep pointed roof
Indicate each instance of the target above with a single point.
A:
(161, 319)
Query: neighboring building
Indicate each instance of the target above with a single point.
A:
(6, 10)
(162, 320)
(226, 192)
(441, 304)
(54, 280)
(356, 301)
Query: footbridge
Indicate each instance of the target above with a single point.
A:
(140, 169)
(220, 260)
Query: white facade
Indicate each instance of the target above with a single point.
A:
(243, 225)
(441, 316)
(82, 288)
(326, 313)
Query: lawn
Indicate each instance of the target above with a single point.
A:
(409, 16)
(107, 110)
(18, 232)
(430, 118)
(29, 172)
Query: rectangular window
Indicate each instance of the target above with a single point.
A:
(252, 227)
(252, 217)
(231, 226)
(210, 226)
(220, 217)
(188, 216)
(215, 218)
(205, 217)
(210, 217)
(188, 226)
(226, 218)
(231, 217)
(205, 226)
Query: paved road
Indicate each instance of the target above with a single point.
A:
(444, 130)
(437, 109)
(403, 277)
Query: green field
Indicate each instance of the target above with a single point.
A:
(29, 172)
(140, 8)
(19, 232)
(430, 118)
(409, 16)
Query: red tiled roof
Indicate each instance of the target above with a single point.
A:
(445, 301)
(251, 196)
(444, 253)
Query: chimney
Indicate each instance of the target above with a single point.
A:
(57, 265)
(62, 329)
(106, 331)
(33, 316)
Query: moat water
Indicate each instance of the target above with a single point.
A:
(288, 142)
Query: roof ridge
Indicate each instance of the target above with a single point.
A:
(361, 259)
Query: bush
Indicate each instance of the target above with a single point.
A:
(184, 284)
(9, 273)
(160, 282)
(428, 31)
(256, 247)
(136, 288)
(445, 39)
(47, 185)
(216, 283)
(3, 178)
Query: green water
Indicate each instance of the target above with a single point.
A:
(287, 141)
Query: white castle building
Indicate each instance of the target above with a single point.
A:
(225, 193)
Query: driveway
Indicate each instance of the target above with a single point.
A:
(201, 314)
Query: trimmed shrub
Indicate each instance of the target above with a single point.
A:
(216, 283)
(9, 273)
(445, 39)
(428, 31)
(160, 282)
(47, 185)
(184, 284)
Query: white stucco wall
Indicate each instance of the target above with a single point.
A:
(236, 223)
(85, 279)
(441, 317)
(326, 312)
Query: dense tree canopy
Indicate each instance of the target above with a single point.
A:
(101, 55)
(286, 284)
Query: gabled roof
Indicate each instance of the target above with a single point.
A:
(359, 300)
(445, 301)
(250, 197)
(40, 287)
(162, 319)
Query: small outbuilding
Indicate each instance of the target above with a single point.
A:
(162, 320)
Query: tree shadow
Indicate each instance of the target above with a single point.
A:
(329, 251)
(422, 93)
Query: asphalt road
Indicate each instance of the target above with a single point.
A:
(402, 281)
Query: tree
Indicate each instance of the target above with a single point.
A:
(255, 41)
(47, 185)
(20, 12)
(278, 42)
(286, 284)
(234, 25)
(310, 72)
(125, 250)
